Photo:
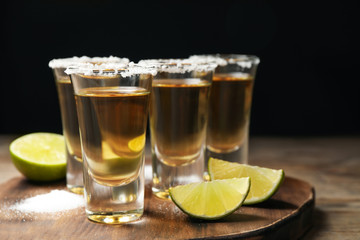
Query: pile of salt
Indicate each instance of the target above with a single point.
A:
(54, 201)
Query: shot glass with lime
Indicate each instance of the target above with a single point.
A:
(178, 119)
(229, 106)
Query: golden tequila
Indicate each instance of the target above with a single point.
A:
(113, 126)
(69, 117)
(178, 117)
(74, 178)
(229, 111)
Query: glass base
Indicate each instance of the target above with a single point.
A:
(222, 151)
(76, 189)
(161, 194)
(166, 176)
(115, 217)
(74, 174)
(206, 177)
(239, 155)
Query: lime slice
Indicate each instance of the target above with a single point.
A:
(137, 144)
(264, 181)
(211, 200)
(40, 156)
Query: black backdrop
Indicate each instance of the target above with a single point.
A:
(307, 82)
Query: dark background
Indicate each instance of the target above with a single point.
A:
(307, 82)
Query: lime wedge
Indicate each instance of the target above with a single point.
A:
(40, 156)
(211, 200)
(137, 144)
(264, 181)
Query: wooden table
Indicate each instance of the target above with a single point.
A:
(331, 165)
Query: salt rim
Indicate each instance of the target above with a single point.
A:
(172, 65)
(110, 69)
(245, 61)
(209, 59)
(65, 62)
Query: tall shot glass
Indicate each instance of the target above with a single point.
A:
(230, 104)
(70, 126)
(178, 118)
(112, 105)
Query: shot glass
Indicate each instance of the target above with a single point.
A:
(112, 105)
(178, 119)
(230, 104)
(70, 126)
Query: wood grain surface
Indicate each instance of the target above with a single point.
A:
(286, 216)
(329, 163)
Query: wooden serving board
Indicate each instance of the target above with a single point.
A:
(287, 215)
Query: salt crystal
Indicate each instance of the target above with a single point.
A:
(209, 59)
(178, 65)
(244, 61)
(65, 62)
(54, 201)
(110, 69)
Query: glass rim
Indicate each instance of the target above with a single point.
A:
(66, 62)
(179, 65)
(109, 69)
(223, 59)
